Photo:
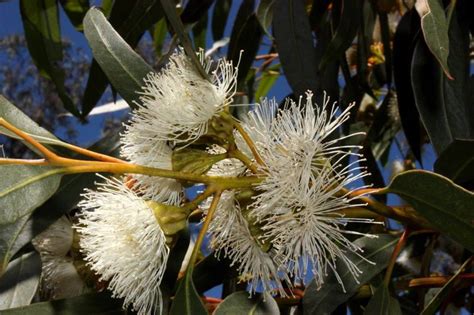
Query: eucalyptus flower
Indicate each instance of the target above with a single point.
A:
(177, 104)
(302, 192)
(233, 237)
(140, 146)
(123, 242)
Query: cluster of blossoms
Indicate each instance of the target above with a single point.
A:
(276, 232)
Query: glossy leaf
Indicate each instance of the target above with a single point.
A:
(435, 30)
(294, 44)
(345, 32)
(242, 303)
(447, 206)
(75, 10)
(325, 301)
(457, 162)
(41, 24)
(19, 283)
(93, 304)
(403, 47)
(195, 11)
(265, 15)
(124, 67)
(383, 303)
(187, 301)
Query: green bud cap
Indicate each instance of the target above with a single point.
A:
(171, 219)
(194, 161)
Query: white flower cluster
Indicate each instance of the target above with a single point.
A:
(285, 227)
(296, 207)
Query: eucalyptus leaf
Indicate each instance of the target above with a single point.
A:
(75, 10)
(21, 279)
(435, 30)
(265, 15)
(382, 303)
(457, 162)
(294, 44)
(90, 304)
(267, 81)
(444, 204)
(376, 255)
(219, 18)
(187, 301)
(41, 24)
(124, 68)
(242, 303)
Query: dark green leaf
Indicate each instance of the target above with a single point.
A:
(41, 23)
(443, 294)
(294, 43)
(159, 34)
(200, 32)
(444, 204)
(212, 271)
(345, 32)
(332, 295)
(90, 304)
(187, 301)
(170, 10)
(382, 303)
(76, 10)
(403, 47)
(457, 162)
(124, 67)
(19, 283)
(265, 15)
(195, 10)
(219, 18)
(435, 30)
(246, 24)
(242, 303)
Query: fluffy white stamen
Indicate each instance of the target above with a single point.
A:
(123, 242)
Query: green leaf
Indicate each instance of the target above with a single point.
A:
(345, 32)
(22, 190)
(294, 44)
(244, 40)
(187, 301)
(16, 117)
(169, 8)
(265, 15)
(219, 18)
(91, 304)
(159, 34)
(444, 204)
(382, 303)
(200, 32)
(41, 24)
(325, 301)
(444, 292)
(435, 31)
(241, 303)
(267, 80)
(457, 162)
(19, 283)
(75, 10)
(123, 66)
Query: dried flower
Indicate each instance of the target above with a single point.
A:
(123, 242)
